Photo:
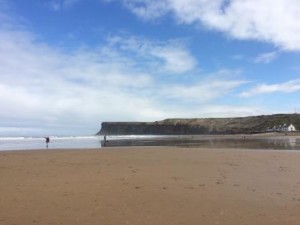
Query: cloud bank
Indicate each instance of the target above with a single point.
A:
(271, 21)
(46, 90)
(286, 87)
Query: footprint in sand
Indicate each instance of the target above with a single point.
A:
(135, 170)
(232, 164)
(223, 176)
(284, 169)
(176, 178)
(190, 188)
(219, 182)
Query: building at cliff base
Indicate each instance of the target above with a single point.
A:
(282, 128)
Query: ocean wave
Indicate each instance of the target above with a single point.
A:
(11, 138)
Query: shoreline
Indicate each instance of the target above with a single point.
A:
(125, 148)
(253, 141)
(150, 185)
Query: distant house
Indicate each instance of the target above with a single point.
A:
(286, 128)
(282, 128)
(291, 128)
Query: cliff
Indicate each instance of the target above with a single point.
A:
(237, 125)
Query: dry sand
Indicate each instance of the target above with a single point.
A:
(154, 186)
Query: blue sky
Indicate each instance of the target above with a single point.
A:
(68, 65)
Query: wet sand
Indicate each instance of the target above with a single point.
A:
(148, 185)
(256, 141)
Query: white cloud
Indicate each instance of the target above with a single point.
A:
(57, 5)
(272, 21)
(147, 9)
(213, 86)
(223, 110)
(287, 87)
(171, 56)
(266, 57)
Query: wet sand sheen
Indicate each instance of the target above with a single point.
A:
(212, 141)
(150, 186)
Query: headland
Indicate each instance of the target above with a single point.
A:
(236, 125)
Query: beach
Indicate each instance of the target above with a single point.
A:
(150, 185)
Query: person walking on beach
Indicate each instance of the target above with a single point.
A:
(104, 141)
(47, 139)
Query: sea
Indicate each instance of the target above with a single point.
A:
(64, 142)
(188, 141)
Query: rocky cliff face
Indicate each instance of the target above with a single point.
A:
(238, 125)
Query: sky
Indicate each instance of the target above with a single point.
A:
(68, 65)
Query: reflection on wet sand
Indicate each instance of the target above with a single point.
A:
(244, 142)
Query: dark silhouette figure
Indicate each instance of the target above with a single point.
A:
(104, 141)
(47, 139)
